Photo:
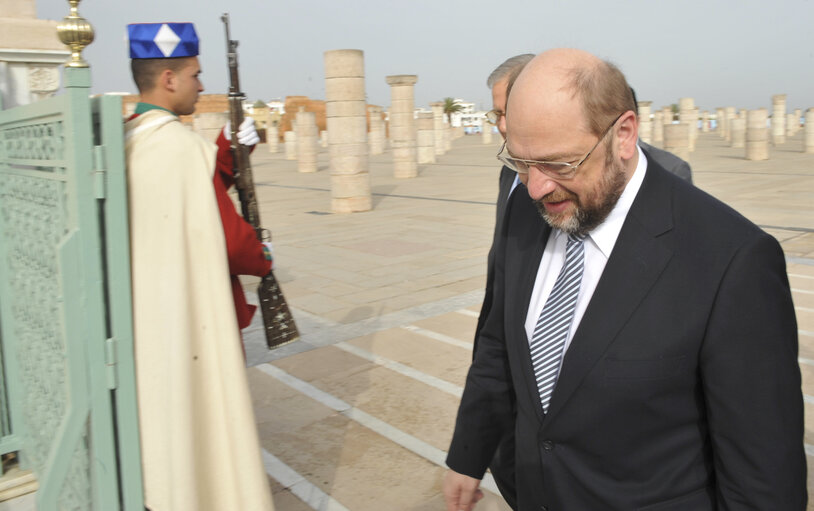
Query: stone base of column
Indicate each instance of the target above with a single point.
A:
(351, 204)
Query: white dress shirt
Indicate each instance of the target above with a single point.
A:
(598, 247)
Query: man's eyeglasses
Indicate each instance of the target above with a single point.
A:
(555, 169)
(493, 116)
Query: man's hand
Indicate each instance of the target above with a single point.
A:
(246, 133)
(461, 492)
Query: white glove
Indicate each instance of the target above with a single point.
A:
(246, 134)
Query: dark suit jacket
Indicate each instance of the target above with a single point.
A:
(505, 181)
(680, 389)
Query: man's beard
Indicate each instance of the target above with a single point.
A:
(599, 202)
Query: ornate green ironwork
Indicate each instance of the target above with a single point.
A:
(65, 301)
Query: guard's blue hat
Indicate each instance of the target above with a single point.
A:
(162, 40)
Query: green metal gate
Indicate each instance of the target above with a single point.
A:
(67, 392)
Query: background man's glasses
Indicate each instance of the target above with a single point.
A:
(493, 116)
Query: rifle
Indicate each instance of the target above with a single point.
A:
(277, 320)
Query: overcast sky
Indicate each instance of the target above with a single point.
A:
(720, 52)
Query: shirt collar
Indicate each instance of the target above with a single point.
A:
(605, 234)
(146, 107)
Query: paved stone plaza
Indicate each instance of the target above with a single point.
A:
(358, 413)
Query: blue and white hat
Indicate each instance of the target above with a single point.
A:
(162, 40)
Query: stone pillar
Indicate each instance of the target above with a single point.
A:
(778, 119)
(486, 131)
(667, 115)
(790, 125)
(808, 139)
(729, 114)
(676, 140)
(720, 122)
(438, 123)
(323, 138)
(705, 122)
(290, 140)
(658, 129)
(272, 138)
(447, 137)
(209, 125)
(376, 134)
(425, 137)
(757, 135)
(645, 124)
(738, 132)
(306, 126)
(346, 116)
(687, 116)
(797, 114)
(402, 125)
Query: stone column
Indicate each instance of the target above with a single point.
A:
(323, 138)
(705, 122)
(789, 125)
(376, 134)
(272, 138)
(438, 123)
(658, 129)
(729, 113)
(402, 125)
(306, 141)
(738, 132)
(667, 115)
(757, 135)
(486, 131)
(425, 137)
(778, 119)
(447, 137)
(687, 116)
(346, 117)
(720, 122)
(290, 140)
(797, 114)
(676, 140)
(808, 144)
(645, 124)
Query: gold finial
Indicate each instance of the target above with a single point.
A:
(77, 33)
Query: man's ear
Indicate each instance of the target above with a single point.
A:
(167, 80)
(627, 132)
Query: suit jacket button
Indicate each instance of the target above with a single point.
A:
(548, 445)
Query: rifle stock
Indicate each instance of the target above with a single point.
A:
(278, 323)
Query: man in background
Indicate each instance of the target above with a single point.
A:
(502, 466)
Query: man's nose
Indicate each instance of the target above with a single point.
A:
(501, 125)
(539, 184)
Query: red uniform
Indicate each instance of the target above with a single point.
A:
(244, 251)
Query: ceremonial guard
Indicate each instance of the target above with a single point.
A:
(199, 443)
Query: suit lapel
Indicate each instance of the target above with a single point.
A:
(637, 260)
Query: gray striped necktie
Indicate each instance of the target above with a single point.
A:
(552, 327)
